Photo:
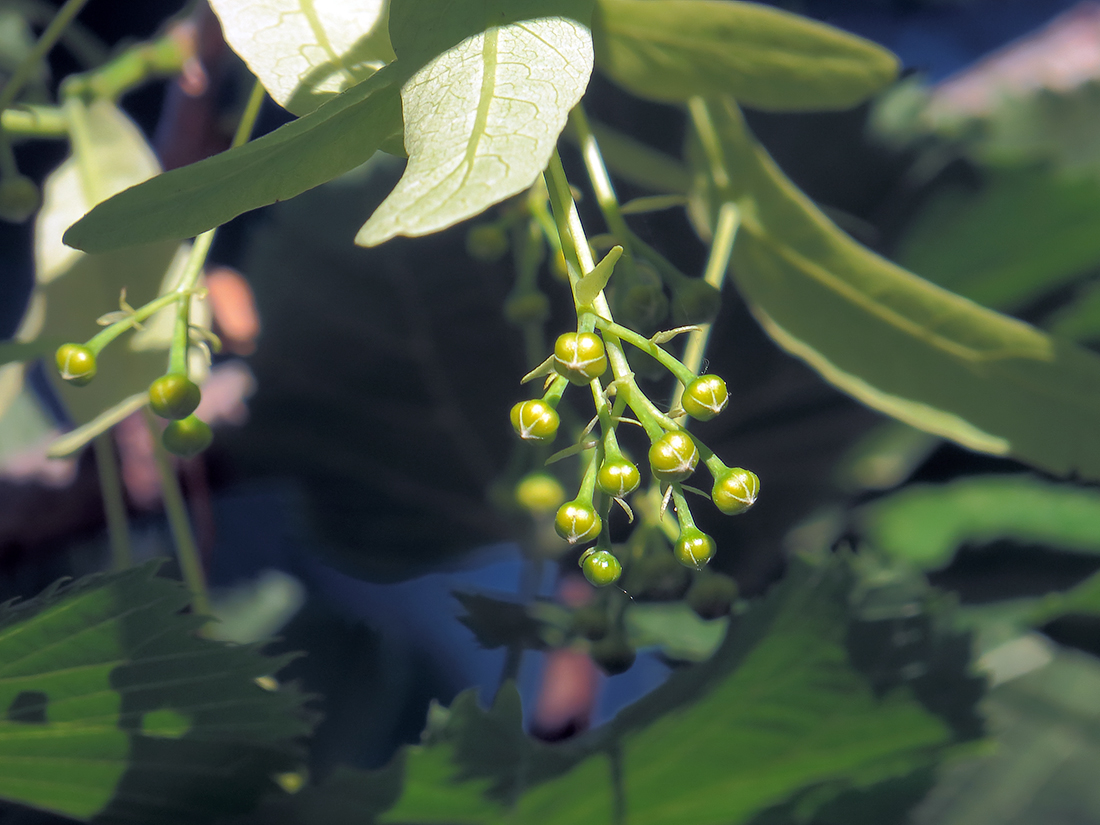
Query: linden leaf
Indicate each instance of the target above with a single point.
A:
(305, 51)
(481, 121)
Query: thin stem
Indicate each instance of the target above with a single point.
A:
(181, 338)
(601, 181)
(101, 339)
(718, 264)
(667, 360)
(81, 139)
(35, 122)
(114, 506)
(162, 57)
(709, 138)
(187, 551)
(683, 512)
(46, 42)
(248, 117)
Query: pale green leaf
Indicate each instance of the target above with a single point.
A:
(337, 137)
(927, 524)
(305, 51)
(897, 342)
(670, 50)
(111, 706)
(74, 288)
(591, 285)
(675, 629)
(481, 121)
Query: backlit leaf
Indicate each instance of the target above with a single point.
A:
(481, 121)
(305, 51)
(670, 50)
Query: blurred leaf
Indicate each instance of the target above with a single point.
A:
(114, 708)
(777, 709)
(885, 457)
(256, 609)
(675, 629)
(337, 137)
(895, 341)
(499, 623)
(1024, 232)
(482, 118)
(305, 52)
(1080, 320)
(670, 50)
(74, 288)
(1046, 730)
(926, 524)
(23, 421)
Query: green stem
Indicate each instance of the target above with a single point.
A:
(601, 181)
(683, 511)
(162, 57)
(114, 506)
(187, 551)
(81, 137)
(712, 144)
(718, 264)
(181, 338)
(49, 37)
(35, 122)
(667, 360)
(101, 339)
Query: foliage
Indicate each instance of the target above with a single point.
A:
(847, 692)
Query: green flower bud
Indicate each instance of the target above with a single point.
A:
(19, 198)
(577, 521)
(673, 456)
(705, 397)
(694, 548)
(735, 491)
(487, 242)
(580, 357)
(613, 654)
(711, 595)
(618, 477)
(601, 568)
(535, 420)
(76, 363)
(539, 493)
(530, 308)
(174, 396)
(187, 437)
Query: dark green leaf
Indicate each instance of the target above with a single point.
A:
(114, 708)
(499, 623)
(338, 136)
(897, 342)
(670, 50)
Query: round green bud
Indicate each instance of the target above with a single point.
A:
(736, 491)
(580, 356)
(694, 548)
(618, 477)
(673, 456)
(187, 437)
(705, 397)
(694, 301)
(76, 363)
(529, 308)
(487, 242)
(174, 396)
(539, 493)
(711, 595)
(19, 198)
(535, 420)
(613, 654)
(601, 568)
(590, 621)
(577, 521)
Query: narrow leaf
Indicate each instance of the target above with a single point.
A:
(335, 138)
(481, 121)
(305, 52)
(897, 342)
(591, 285)
(670, 50)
